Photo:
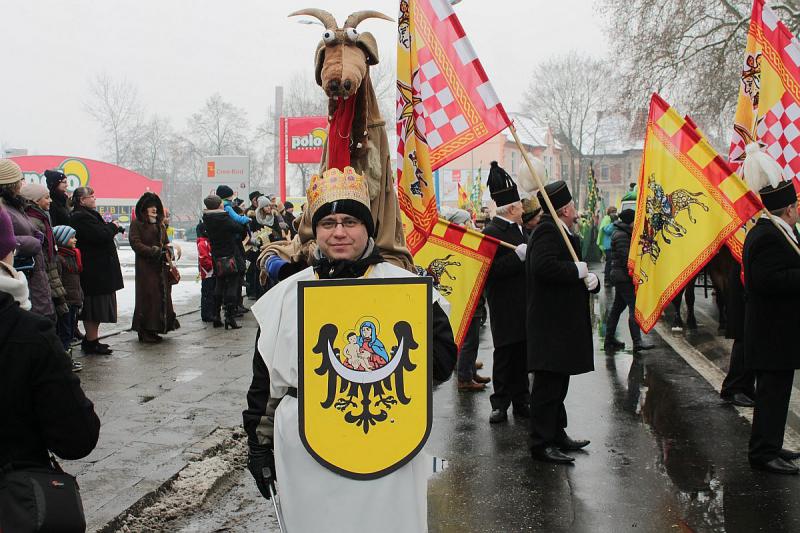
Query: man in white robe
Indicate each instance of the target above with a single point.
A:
(314, 498)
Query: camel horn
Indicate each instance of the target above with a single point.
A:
(328, 20)
(359, 16)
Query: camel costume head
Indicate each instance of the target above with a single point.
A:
(357, 135)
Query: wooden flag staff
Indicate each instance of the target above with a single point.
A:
(547, 201)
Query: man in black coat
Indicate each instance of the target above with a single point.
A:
(772, 284)
(505, 294)
(559, 326)
(739, 385)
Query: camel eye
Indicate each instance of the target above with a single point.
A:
(328, 37)
(352, 34)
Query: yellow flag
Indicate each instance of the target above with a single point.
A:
(690, 202)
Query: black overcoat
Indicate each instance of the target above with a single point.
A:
(505, 285)
(101, 271)
(772, 288)
(620, 247)
(559, 325)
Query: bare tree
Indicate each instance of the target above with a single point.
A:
(149, 153)
(569, 93)
(114, 104)
(690, 51)
(218, 128)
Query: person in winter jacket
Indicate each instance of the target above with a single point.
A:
(604, 234)
(624, 295)
(57, 185)
(29, 239)
(102, 275)
(69, 268)
(225, 235)
(42, 405)
(38, 211)
(209, 311)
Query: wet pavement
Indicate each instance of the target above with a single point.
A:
(666, 454)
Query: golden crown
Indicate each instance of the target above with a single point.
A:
(335, 184)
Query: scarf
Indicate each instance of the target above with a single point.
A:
(265, 220)
(15, 284)
(39, 214)
(327, 269)
(72, 257)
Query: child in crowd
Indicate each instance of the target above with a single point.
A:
(209, 312)
(70, 267)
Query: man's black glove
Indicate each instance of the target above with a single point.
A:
(261, 463)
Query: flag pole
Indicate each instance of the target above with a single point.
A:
(546, 198)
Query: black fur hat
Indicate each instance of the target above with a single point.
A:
(501, 186)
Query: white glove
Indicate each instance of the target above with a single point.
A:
(591, 281)
(521, 250)
(583, 269)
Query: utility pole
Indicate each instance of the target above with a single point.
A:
(276, 160)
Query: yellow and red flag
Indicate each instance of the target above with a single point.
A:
(690, 202)
(458, 260)
(463, 199)
(446, 106)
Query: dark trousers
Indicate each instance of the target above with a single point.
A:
(65, 326)
(624, 296)
(228, 289)
(510, 376)
(607, 267)
(739, 378)
(208, 309)
(773, 389)
(253, 286)
(548, 414)
(465, 367)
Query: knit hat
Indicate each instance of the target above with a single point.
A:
(337, 192)
(224, 192)
(501, 186)
(34, 192)
(53, 178)
(530, 208)
(558, 192)
(8, 243)
(263, 201)
(63, 234)
(9, 172)
(627, 216)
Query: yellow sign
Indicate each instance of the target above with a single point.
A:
(364, 383)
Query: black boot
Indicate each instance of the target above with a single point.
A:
(217, 320)
(230, 317)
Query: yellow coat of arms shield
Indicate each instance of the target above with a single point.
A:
(364, 372)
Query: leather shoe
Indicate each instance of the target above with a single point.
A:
(788, 455)
(480, 379)
(776, 466)
(522, 411)
(470, 386)
(643, 346)
(614, 343)
(571, 445)
(497, 416)
(740, 399)
(551, 455)
(478, 365)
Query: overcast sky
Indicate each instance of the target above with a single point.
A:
(179, 52)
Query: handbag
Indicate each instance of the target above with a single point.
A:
(173, 275)
(227, 266)
(38, 498)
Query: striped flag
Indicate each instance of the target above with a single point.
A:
(446, 106)
(458, 260)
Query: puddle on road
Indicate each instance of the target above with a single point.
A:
(187, 375)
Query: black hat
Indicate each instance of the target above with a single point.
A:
(53, 178)
(288, 205)
(501, 186)
(775, 198)
(558, 192)
(253, 195)
(346, 206)
(224, 192)
(627, 215)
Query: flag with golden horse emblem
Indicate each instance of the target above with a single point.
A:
(690, 202)
(458, 260)
(446, 106)
(364, 372)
